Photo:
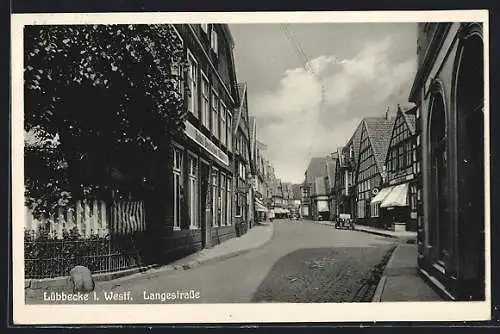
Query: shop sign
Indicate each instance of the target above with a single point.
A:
(192, 132)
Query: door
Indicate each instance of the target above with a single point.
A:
(205, 203)
(470, 119)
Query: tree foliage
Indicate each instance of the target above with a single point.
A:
(113, 95)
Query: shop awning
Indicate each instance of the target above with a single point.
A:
(397, 197)
(382, 194)
(260, 207)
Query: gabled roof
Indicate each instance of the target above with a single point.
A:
(331, 166)
(409, 116)
(319, 186)
(355, 141)
(379, 130)
(242, 89)
(296, 191)
(316, 168)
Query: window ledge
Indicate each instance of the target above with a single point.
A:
(177, 228)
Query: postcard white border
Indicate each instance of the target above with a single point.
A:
(226, 313)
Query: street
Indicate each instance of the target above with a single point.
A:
(303, 262)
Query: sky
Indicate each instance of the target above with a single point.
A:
(361, 68)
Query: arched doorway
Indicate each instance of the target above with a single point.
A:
(469, 102)
(439, 218)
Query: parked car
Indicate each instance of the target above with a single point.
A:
(344, 221)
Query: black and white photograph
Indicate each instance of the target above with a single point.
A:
(250, 166)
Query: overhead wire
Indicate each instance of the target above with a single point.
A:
(299, 51)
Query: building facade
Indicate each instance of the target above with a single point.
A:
(396, 202)
(243, 200)
(314, 185)
(198, 204)
(259, 182)
(331, 186)
(370, 170)
(449, 92)
(345, 174)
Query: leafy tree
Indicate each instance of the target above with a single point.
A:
(112, 94)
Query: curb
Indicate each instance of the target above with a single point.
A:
(387, 235)
(377, 297)
(61, 282)
(194, 264)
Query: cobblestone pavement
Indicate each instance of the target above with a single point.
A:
(303, 261)
(325, 275)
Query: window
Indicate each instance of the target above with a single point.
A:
(177, 172)
(238, 204)
(193, 85)
(215, 114)
(204, 27)
(229, 215)
(205, 101)
(193, 193)
(215, 197)
(361, 209)
(213, 40)
(413, 198)
(229, 131)
(223, 126)
(222, 190)
(375, 209)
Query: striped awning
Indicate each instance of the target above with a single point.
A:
(397, 197)
(382, 194)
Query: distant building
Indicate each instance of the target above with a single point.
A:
(345, 174)
(396, 202)
(331, 186)
(370, 171)
(449, 92)
(243, 201)
(314, 184)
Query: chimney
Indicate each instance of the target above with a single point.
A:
(387, 113)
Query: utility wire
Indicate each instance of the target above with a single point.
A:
(299, 51)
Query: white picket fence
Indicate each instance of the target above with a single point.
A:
(91, 218)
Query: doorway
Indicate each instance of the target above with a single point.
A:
(470, 139)
(440, 222)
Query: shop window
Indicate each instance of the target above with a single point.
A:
(238, 204)
(215, 198)
(222, 200)
(229, 214)
(193, 193)
(177, 198)
(361, 209)
(375, 209)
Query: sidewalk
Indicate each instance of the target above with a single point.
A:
(256, 237)
(401, 282)
(402, 235)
